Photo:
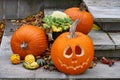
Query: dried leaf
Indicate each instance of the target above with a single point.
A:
(104, 60)
(35, 20)
(109, 62)
(96, 27)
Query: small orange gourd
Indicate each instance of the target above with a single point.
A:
(86, 19)
(29, 39)
(72, 52)
(15, 59)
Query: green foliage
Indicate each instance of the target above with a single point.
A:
(56, 24)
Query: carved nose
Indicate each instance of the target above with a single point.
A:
(74, 60)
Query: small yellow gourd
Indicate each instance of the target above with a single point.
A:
(15, 58)
(31, 66)
(29, 58)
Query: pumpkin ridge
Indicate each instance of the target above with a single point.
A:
(34, 39)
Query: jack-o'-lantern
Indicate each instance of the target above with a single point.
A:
(72, 52)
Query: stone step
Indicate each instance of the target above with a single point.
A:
(103, 44)
(106, 44)
(106, 13)
(29, 7)
(99, 72)
(14, 9)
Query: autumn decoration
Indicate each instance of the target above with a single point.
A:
(86, 19)
(29, 39)
(72, 52)
(15, 59)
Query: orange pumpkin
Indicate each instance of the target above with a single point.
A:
(72, 52)
(29, 39)
(86, 19)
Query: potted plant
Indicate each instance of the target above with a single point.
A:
(56, 23)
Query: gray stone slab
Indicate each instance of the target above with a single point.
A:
(9, 28)
(42, 73)
(8, 70)
(101, 40)
(106, 13)
(110, 26)
(29, 7)
(116, 39)
(104, 3)
(5, 46)
(101, 71)
(61, 3)
(10, 8)
(107, 53)
(104, 10)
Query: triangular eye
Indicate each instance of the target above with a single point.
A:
(68, 52)
(78, 51)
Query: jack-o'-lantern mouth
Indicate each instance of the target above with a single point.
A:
(75, 67)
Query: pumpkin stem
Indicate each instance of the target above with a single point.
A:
(24, 45)
(73, 28)
(82, 8)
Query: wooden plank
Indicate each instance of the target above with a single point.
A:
(10, 9)
(29, 7)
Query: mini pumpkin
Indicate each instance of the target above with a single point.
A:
(41, 62)
(15, 59)
(72, 52)
(29, 39)
(86, 19)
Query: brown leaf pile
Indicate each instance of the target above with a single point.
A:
(2, 26)
(35, 20)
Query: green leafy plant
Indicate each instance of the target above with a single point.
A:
(56, 24)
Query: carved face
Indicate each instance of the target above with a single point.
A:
(72, 55)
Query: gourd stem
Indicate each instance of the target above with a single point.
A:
(73, 28)
(24, 45)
